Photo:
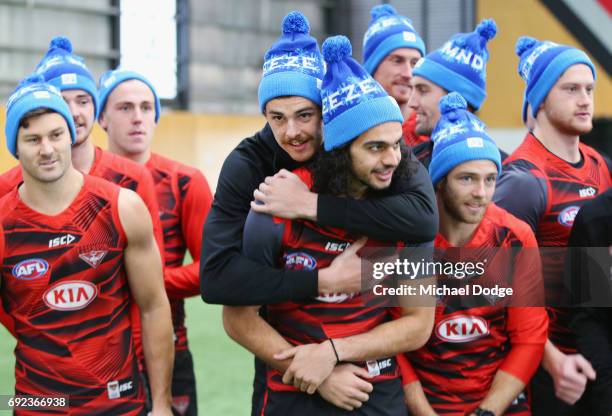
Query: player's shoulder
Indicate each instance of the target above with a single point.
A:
(501, 218)
(122, 165)
(101, 187)
(172, 166)
(10, 179)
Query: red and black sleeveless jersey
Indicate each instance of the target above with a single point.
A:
(469, 345)
(65, 286)
(126, 174)
(558, 189)
(184, 199)
(306, 246)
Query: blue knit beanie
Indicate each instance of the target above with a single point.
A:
(111, 79)
(388, 31)
(460, 65)
(293, 66)
(66, 71)
(459, 137)
(541, 64)
(353, 101)
(31, 94)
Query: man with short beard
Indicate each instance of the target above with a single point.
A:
(311, 345)
(555, 175)
(481, 354)
(459, 66)
(391, 49)
(77, 251)
(66, 71)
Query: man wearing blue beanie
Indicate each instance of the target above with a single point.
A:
(290, 99)
(391, 48)
(362, 158)
(86, 252)
(459, 66)
(129, 111)
(493, 366)
(561, 174)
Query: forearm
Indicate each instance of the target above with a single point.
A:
(504, 389)
(407, 333)
(552, 354)
(159, 350)
(247, 328)
(415, 399)
(182, 282)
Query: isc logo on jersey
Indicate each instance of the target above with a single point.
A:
(70, 296)
(567, 216)
(463, 328)
(30, 269)
(63, 240)
(300, 261)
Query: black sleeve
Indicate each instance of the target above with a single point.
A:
(592, 325)
(262, 238)
(409, 216)
(226, 275)
(530, 204)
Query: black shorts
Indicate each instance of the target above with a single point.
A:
(184, 399)
(387, 399)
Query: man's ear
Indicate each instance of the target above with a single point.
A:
(102, 120)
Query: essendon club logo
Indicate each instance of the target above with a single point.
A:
(462, 328)
(70, 296)
(30, 269)
(93, 258)
(567, 216)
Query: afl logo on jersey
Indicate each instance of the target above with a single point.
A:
(567, 216)
(463, 328)
(70, 296)
(30, 269)
(300, 261)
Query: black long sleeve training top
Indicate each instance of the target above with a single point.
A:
(228, 277)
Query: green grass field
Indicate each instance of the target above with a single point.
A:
(224, 370)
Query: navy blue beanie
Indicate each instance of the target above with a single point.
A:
(293, 66)
(111, 79)
(460, 65)
(459, 137)
(66, 71)
(541, 64)
(31, 94)
(353, 102)
(388, 31)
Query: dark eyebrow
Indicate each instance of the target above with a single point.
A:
(57, 130)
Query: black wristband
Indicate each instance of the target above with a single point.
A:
(331, 341)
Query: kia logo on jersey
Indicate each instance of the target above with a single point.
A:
(567, 216)
(462, 328)
(70, 296)
(30, 269)
(300, 261)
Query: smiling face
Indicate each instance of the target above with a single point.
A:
(395, 71)
(44, 146)
(375, 155)
(83, 112)
(568, 107)
(129, 120)
(296, 125)
(425, 101)
(466, 191)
